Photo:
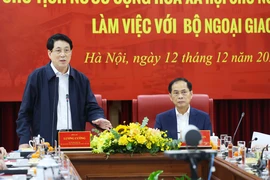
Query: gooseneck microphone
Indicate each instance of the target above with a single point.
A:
(265, 148)
(67, 99)
(262, 163)
(255, 139)
(242, 115)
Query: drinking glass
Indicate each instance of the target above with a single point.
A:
(222, 142)
(240, 144)
(41, 149)
(258, 152)
(229, 145)
(65, 166)
(57, 153)
(228, 140)
(243, 154)
(268, 162)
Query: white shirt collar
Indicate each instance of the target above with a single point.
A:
(186, 113)
(57, 72)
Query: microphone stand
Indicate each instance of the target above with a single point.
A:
(193, 167)
(67, 98)
(193, 163)
(242, 115)
(262, 163)
(266, 147)
(192, 137)
(255, 139)
(193, 156)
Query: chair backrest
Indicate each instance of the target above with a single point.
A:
(103, 104)
(151, 105)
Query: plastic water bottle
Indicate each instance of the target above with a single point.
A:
(214, 140)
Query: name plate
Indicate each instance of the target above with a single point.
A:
(205, 139)
(74, 139)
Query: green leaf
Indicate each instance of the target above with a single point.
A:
(173, 144)
(95, 130)
(144, 122)
(129, 146)
(183, 177)
(154, 175)
(115, 134)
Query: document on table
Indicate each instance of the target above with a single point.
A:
(262, 139)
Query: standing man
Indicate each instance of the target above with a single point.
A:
(174, 121)
(57, 97)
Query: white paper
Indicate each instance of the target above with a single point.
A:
(263, 139)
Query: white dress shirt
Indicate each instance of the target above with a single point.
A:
(182, 121)
(63, 107)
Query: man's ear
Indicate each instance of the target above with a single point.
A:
(49, 53)
(170, 95)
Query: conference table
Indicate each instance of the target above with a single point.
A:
(139, 167)
(26, 171)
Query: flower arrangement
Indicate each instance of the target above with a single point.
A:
(133, 138)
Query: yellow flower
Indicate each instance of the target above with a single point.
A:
(148, 145)
(121, 129)
(123, 140)
(140, 139)
(132, 138)
(134, 129)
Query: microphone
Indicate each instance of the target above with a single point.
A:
(262, 163)
(191, 135)
(242, 115)
(67, 99)
(255, 139)
(265, 148)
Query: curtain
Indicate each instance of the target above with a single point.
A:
(228, 113)
(8, 115)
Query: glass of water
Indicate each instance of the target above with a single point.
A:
(222, 142)
(240, 144)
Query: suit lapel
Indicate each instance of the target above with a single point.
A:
(72, 100)
(192, 117)
(173, 124)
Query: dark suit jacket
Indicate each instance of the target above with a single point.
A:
(167, 121)
(38, 111)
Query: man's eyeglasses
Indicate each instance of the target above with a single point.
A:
(58, 51)
(177, 93)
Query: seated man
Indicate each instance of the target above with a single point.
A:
(175, 120)
(3, 153)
